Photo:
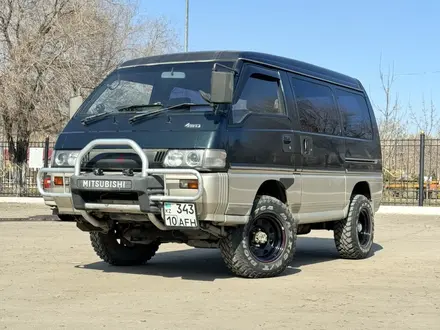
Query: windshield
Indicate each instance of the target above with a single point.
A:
(165, 85)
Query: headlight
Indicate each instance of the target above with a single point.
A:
(199, 158)
(64, 158)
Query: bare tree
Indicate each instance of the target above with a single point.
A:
(53, 49)
(392, 126)
(392, 123)
(428, 120)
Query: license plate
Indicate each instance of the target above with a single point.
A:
(182, 215)
(105, 184)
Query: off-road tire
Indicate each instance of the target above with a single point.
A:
(110, 251)
(235, 249)
(346, 231)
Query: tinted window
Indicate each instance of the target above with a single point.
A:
(316, 107)
(356, 120)
(259, 96)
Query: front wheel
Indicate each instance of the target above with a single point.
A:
(354, 235)
(114, 250)
(265, 246)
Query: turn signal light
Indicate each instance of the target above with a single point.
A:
(58, 181)
(189, 184)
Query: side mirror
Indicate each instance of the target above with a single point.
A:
(222, 87)
(74, 104)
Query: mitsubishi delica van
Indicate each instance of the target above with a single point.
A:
(240, 151)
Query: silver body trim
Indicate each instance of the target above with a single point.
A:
(315, 196)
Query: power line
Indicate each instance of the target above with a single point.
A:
(417, 73)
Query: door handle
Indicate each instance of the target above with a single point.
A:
(306, 145)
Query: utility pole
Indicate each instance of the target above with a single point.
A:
(186, 25)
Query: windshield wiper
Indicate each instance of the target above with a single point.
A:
(176, 106)
(103, 115)
(140, 106)
(96, 117)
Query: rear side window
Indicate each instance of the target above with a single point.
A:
(316, 106)
(260, 95)
(356, 121)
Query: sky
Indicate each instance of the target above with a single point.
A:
(351, 37)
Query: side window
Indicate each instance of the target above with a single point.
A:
(259, 95)
(356, 120)
(317, 110)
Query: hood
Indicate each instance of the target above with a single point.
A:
(164, 131)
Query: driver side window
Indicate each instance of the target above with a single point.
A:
(260, 95)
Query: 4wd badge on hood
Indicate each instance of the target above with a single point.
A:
(189, 125)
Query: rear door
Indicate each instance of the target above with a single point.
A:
(322, 150)
(362, 154)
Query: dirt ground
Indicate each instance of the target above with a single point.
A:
(50, 278)
(12, 211)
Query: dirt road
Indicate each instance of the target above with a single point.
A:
(50, 278)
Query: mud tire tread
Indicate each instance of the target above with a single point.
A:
(346, 242)
(236, 260)
(107, 248)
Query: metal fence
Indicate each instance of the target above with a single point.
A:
(16, 180)
(411, 171)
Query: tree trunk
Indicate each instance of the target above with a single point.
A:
(18, 150)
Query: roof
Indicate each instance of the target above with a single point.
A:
(270, 59)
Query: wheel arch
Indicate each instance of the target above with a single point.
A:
(274, 188)
(361, 188)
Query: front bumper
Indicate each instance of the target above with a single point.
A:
(142, 193)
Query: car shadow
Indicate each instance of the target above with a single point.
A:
(207, 264)
(311, 250)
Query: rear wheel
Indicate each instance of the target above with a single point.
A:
(265, 246)
(354, 235)
(117, 251)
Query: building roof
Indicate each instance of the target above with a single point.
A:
(270, 59)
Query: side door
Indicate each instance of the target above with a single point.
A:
(322, 150)
(260, 131)
(261, 141)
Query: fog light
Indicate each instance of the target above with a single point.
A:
(189, 184)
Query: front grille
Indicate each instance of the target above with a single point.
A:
(110, 160)
(160, 155)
